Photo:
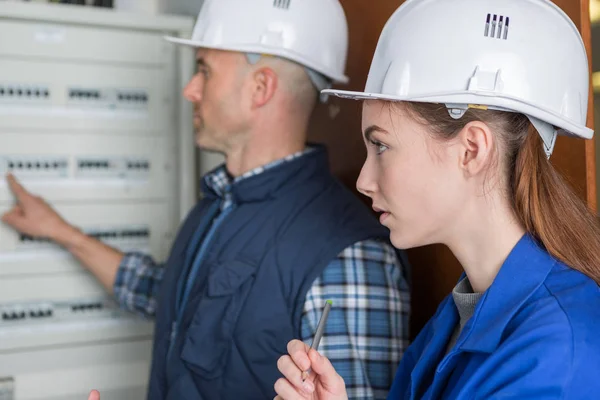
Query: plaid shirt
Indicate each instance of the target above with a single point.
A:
(367, 329)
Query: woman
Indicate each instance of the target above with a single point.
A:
(462, 106)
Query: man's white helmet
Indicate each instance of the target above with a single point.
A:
(313, 33)
(524, 56)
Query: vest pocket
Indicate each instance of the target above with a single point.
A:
(208, 339)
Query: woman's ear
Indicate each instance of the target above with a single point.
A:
(476, 146)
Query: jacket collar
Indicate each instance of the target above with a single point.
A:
(522, 273)
(267, 181)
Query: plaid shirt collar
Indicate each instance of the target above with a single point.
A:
(220, 180)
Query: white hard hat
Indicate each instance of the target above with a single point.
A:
(312, 33)
(523, 56)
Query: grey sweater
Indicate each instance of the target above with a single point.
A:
(466, 301)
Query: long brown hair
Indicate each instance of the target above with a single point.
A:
(544, 203)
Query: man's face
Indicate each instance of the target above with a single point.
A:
(217, 93)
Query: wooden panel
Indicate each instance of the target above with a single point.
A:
(575, 158)
(342, 132)
(337, 124)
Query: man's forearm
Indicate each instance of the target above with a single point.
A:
(100, 259)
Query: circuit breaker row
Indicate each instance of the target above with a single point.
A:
(53, 310)
(102, 97)
(28, 166)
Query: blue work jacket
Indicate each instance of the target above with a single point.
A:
(535, 334)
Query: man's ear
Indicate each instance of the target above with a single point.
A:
(476, 147)
(264, 85)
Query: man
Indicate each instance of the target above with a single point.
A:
(274, 236)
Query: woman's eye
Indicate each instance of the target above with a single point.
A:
(379, 147)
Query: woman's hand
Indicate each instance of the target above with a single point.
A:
(322, 383)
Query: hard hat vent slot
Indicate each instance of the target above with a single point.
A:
(283, 4)
(496, 26)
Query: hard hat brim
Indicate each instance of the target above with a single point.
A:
(503, 103)
(244, 48)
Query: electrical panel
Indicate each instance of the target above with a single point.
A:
(92, 120)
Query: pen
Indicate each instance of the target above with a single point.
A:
(319, 333)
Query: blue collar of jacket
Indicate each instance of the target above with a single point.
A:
(522, 273)
(272, 180)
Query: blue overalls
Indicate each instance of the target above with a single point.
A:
(535, 334)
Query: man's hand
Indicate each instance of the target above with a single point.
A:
(31, 215)
(94, 395)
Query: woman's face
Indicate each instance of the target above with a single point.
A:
(412, 178)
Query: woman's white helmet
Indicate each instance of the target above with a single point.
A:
(523, 56)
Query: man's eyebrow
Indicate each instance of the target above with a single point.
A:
(200, 62)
